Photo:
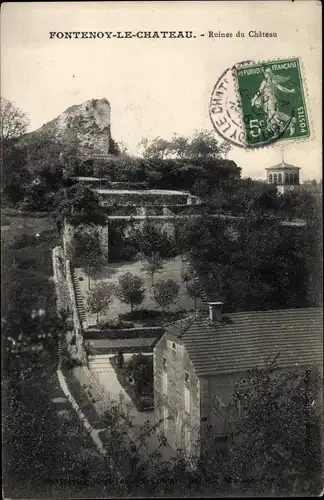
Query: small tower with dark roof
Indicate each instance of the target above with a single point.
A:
(284, 176)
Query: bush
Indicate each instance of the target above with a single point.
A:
(23, 241)
(5, 221)
(153, 316)
(26, 264)
(141, 314)
(68, 363)
(116, 324)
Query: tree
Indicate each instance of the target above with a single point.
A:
(193, 290)
(99, 299)
(202, 144)
(14, 173)
(152, 264)
(149, 240)
(85, 248)
(258, 264)
(39, 443)
(165, 292)
(275, 428)
(141, 369)
(130, 290)
(30, 343)
(122, 148)
(157, 148)
(14, 121)
(79, 204)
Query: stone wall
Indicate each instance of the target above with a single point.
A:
(79, 345)
(63, 300)
(141, 198)
(68, 231)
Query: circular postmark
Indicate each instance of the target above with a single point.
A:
(249, 117)
(224, 110)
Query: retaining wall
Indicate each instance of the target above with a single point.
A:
(75, 314)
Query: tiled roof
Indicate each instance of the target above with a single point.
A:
(243, 340)
(121, 343)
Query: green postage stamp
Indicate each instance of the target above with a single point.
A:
(272, 102)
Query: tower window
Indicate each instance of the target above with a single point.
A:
(270, 178)
(291, 178)
(287, 178)
(279, 178)
(295, 179)
(275, 178)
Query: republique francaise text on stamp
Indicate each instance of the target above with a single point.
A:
(268, 105)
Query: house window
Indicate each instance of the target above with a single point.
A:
(164, 361)
(187, 438)
(165, 418)
(187, 400)
(165, 383)
(187, 378)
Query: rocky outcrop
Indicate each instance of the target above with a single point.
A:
(88, 124)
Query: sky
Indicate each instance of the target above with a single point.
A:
(158, 87)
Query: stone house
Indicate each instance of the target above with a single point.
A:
(198, 360)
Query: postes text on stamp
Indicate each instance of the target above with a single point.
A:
(272, 99)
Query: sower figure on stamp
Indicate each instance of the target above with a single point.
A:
(267, 99)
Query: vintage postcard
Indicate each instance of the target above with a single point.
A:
(161, 241)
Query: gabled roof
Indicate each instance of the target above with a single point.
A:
(109, 345)
(244, 340)
(283, 165)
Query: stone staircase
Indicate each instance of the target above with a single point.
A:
(104, 375)
(194, 276)
(100, 363)
(79, 298)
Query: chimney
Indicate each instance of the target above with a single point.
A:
(215, 311)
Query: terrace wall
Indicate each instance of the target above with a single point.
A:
(75, 313)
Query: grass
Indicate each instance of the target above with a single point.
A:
(29, 287)
(84, 401)
(12, 226)
(110, 274)
(77, 440)
(26, 272)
